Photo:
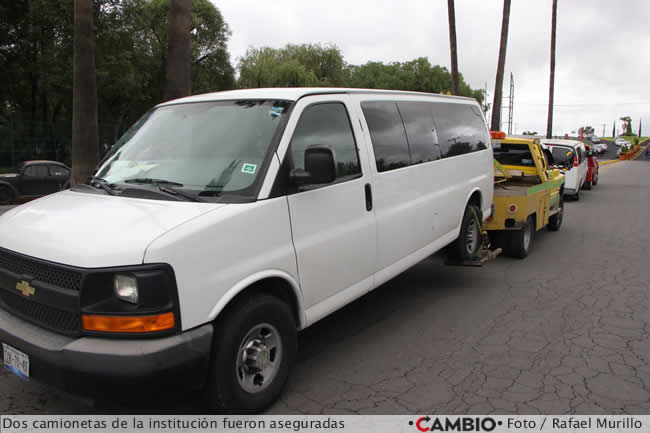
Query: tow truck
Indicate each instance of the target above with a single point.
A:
(527, 194)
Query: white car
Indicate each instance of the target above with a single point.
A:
(621, 142)
(222, 224)
(573, 156)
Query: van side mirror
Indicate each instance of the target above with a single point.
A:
(320, 166)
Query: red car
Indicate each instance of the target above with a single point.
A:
(592, 172)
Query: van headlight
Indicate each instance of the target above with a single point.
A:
(126, 288)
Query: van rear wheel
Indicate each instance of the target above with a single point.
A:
(253, 350)
(468, 243)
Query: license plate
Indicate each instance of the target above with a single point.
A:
(16, 361)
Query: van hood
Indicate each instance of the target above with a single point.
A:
(90, 230)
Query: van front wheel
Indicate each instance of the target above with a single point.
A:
(254, 348)
(468, 243)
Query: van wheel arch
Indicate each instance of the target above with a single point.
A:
(272, 286)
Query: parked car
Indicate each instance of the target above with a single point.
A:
(34, 179)
(572, 155)
(222, 224)
(602, 147)
(595, 139)
(593, 166)
(621, 142)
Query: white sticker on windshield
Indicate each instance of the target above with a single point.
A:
(249, 168)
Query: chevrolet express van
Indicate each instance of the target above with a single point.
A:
(221, 224)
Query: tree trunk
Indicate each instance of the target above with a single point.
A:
(498, 87)
(85, 142)
(551, 86)
(179, 79)
(453, 47)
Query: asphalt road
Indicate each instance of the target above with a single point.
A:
(565, 330)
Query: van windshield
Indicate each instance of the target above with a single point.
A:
(209, 148)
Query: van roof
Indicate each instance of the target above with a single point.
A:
(295, 93)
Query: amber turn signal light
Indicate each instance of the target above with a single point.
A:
(128, 324)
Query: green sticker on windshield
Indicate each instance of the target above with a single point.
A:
(249, 168)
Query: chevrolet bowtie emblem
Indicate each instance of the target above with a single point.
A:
(24, 288)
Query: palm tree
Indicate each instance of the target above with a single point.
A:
(549, 125)
(452, 47)
(85, 141)
(498, 87)
(179, 78)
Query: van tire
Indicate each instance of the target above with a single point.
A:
(269, 319)
(6, 195)
(466, 246)
(555, 221)
(520, 240)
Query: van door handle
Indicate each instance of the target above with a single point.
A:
(368, 197)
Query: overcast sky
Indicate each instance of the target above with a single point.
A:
(602, 60)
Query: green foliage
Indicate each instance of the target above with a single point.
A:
(627, 126)
(318, 66)
(415, 75)
(304, 65)
(130, 59)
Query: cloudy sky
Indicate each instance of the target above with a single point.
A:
(602, 63)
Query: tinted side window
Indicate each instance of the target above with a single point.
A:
(56, 170)
(36, 171)
(461, 129)
(388, 135)
(326, 124)
(420, 131)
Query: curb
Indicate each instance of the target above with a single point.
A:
(610, 161)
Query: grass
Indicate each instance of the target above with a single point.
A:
(6, 170)
(630, 139)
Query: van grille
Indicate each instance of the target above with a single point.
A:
(45, 273)
(44, 315)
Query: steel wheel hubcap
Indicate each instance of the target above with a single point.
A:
(259, 358)
(472, 237)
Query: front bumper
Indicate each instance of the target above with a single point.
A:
(94, 366)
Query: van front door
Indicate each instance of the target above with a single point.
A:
(333, 225)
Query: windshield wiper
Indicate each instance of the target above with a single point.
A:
(94, 181)
(152, 181)
(166, 186)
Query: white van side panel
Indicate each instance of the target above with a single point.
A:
(213, 255)
(419, 208)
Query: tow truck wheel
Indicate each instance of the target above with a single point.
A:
(587, 185)
(520, 239)
(555, 221)
(467, 245)
(254, 347)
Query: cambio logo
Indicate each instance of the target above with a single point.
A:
(461, 423)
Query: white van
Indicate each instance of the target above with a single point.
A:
(572, 154)
(222, 224)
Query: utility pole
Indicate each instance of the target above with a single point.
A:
(604, 124)
(549, 125)
(511, 103)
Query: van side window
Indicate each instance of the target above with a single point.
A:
(461, 129)
(388, 135)
(328, 124)
(420, 131)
